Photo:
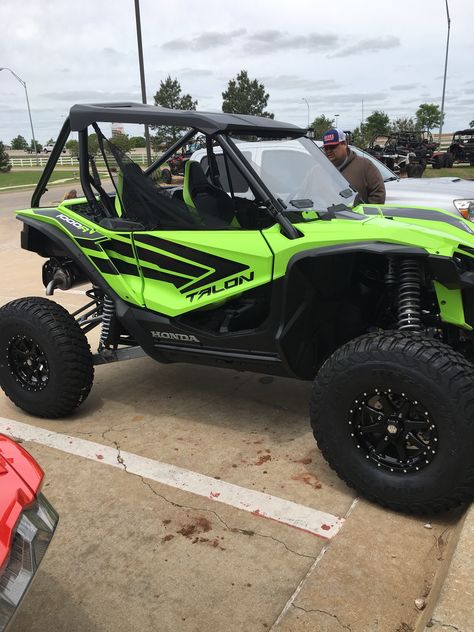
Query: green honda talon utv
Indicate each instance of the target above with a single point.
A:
(235, 268)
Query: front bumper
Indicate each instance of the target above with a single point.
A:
(31, 538)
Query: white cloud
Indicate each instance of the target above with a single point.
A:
(69, 51)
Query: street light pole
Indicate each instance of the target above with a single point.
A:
(307, 105)
(445, 72)
(142, 75)
(23, 83)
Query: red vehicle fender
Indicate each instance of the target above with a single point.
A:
(20, 481)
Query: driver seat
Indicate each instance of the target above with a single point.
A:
(212, 206)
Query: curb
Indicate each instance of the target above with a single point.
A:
(454, 587)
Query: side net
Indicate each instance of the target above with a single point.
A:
(142, 199)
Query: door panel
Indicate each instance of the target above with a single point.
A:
(184, 270)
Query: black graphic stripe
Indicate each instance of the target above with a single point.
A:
(74, 226)
(186, 252)
(122, 247)
(158, 275)
(125, 268)
(435, 216)
(104, 265)
(222, 268)
(169, 263)
(88, 243)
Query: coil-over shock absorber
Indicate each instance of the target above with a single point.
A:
(108, 312)
(391, 276)
(409, 302)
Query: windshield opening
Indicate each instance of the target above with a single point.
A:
(297, 173)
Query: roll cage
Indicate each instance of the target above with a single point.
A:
(217, 128)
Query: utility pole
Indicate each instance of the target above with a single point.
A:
(445, 72)
(142, 75)
(307, 105)
(23, 83)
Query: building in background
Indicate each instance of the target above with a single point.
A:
(117, 129)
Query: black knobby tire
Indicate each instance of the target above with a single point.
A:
(45, 360)
(449, 160)
(415, 171)
(422, 377)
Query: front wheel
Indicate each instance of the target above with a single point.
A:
(393, 414)
(45, 360)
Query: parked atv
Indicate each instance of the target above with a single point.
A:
(374, 304)
(405, 152)
(462, 146)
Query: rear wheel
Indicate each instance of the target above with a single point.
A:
(393, 414)
(415, 170)
(45, 360)
(449, 160)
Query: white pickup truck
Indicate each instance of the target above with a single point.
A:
(47, 149)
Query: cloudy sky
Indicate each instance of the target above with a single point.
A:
(336, 55)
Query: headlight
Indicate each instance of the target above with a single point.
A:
(466, 208)
(30, 541)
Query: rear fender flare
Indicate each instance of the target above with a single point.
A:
(35, 227)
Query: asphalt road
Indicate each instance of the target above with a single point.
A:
(21, 199)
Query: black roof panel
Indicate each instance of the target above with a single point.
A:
(207, 122)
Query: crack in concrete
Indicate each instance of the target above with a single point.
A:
(329, 614)
(223, 522)
(444, 625)
(119, 457)
(106, 432)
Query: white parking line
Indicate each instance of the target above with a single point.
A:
(259, 504)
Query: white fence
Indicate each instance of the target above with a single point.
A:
(66, 161)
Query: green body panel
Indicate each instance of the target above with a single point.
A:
(451, 307)
(174, 272)
(127, 286)
(436, 237)
(247, 248)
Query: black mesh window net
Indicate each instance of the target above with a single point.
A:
(140, 198)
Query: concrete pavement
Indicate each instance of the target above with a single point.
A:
(134, 554)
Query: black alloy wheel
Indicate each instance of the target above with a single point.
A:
(393, 414)
(46, 364)
(393, 431)
(28, 363)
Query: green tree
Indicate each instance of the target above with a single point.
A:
(19, 143)
(5, 165)
(377, 124)
(137, 142)
(320, 125)
(51, 141)
(169, 96)
(93, 144)
(471, 124)
(245, 96)
(31, 148)
(122, 141)
(73, 147)
(361, 136)
(404, 124)
(428, 115)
